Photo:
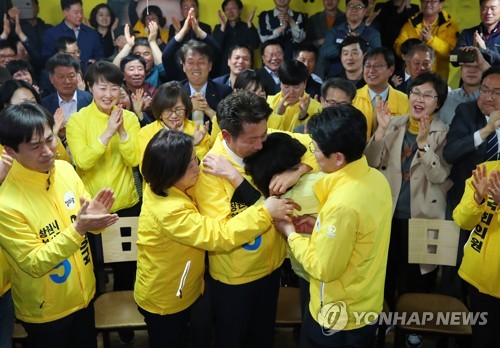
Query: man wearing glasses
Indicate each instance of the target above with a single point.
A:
(354, 26)
(435, 28)
(378, 67)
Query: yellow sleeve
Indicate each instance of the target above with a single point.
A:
(128, 148)
(447, 40)
(467, 213)
(407, 31)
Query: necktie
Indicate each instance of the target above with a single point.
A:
(492, 147)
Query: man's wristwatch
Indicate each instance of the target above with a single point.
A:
(426, 148)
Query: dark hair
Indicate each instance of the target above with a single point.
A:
(167, 96)
(494, 69)
(195, 1)
(19, 65)
(248, 78)
(198, 47)
(437, 82)
(420, 48)
(305, 47)
(339, 129)
(155, 10)
(166, 160)
(351, 40)
(103, 71)
(407, 44)
(66, 4)
(11, 86)
(382, 51)
(131, 58)
(61, 59)
(340, 83)
(293, 72)
(8, 44)
(365, 2)
(63, 42)
(20, 122)
(239, 108)
(272, 42)
(140, 41)
(238, 3)
(93, 15)
(241, 46)
(279, 152)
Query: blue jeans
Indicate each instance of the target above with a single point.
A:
(6, 320)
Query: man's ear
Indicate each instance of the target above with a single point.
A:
(340, 160)
(10, 151)
(226, 136)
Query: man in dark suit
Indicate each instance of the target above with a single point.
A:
(63, 74)
(272, 57)
(196, 59)
(471, 140)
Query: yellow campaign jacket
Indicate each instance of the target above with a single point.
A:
(148, 132)
(274, 121)
(51, 265)
(253, 260)
(348, 248)
(481, 262)
(139, 30)
(444, 38)
(291, 115)
(396, 101)
(4, 274)
(102, 166)
(173, 237)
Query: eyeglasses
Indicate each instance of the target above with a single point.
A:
(5, 56)
(355, 7)
(179, 112)
(424, 96)
(493, 93)
(374, 66)
(333, 102)
(275, 55)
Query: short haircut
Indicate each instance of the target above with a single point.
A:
(66, 4)
(8, 44)
(140, 41)
(238, 3)
(365, 2)
(239, 108)
(405, 46)
(198, 47)
(11, 86)
(493, 70)
(166, 97)
(166, 160)
(249, 80)
(19, 65)
(339, 83)
(61, 59)
(63, 42)
(272, 42)
(279, 152)
(351, 40)
(154, 10)
(241, 46)
(131, 58)
(292, 72)
(93, 15)
(20, 122)
(437, 82)
(195, 1)
(339, 129)
(103, 71)
(384, 52)
(420, 48)
(305, 47)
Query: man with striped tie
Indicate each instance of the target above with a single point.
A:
(471, 140)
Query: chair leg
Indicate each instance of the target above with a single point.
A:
(106, 343)
(399, 336)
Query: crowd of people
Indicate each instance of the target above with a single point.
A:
(347, 131)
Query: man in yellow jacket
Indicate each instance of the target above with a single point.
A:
(244, 282)
(347, 254)
(378, 68)
(44, 218)
(435, 27)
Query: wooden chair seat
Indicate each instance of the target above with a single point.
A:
(438, 305)
(289, 311)
(117, 309)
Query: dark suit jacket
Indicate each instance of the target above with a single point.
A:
(268, 83)
(223, 80)
(83, 99)
(460, 151)
(214, 94)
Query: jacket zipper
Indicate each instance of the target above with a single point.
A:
(183, 279)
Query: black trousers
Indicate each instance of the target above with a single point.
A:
(245, 314)
(76, 330)
(485, 335)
